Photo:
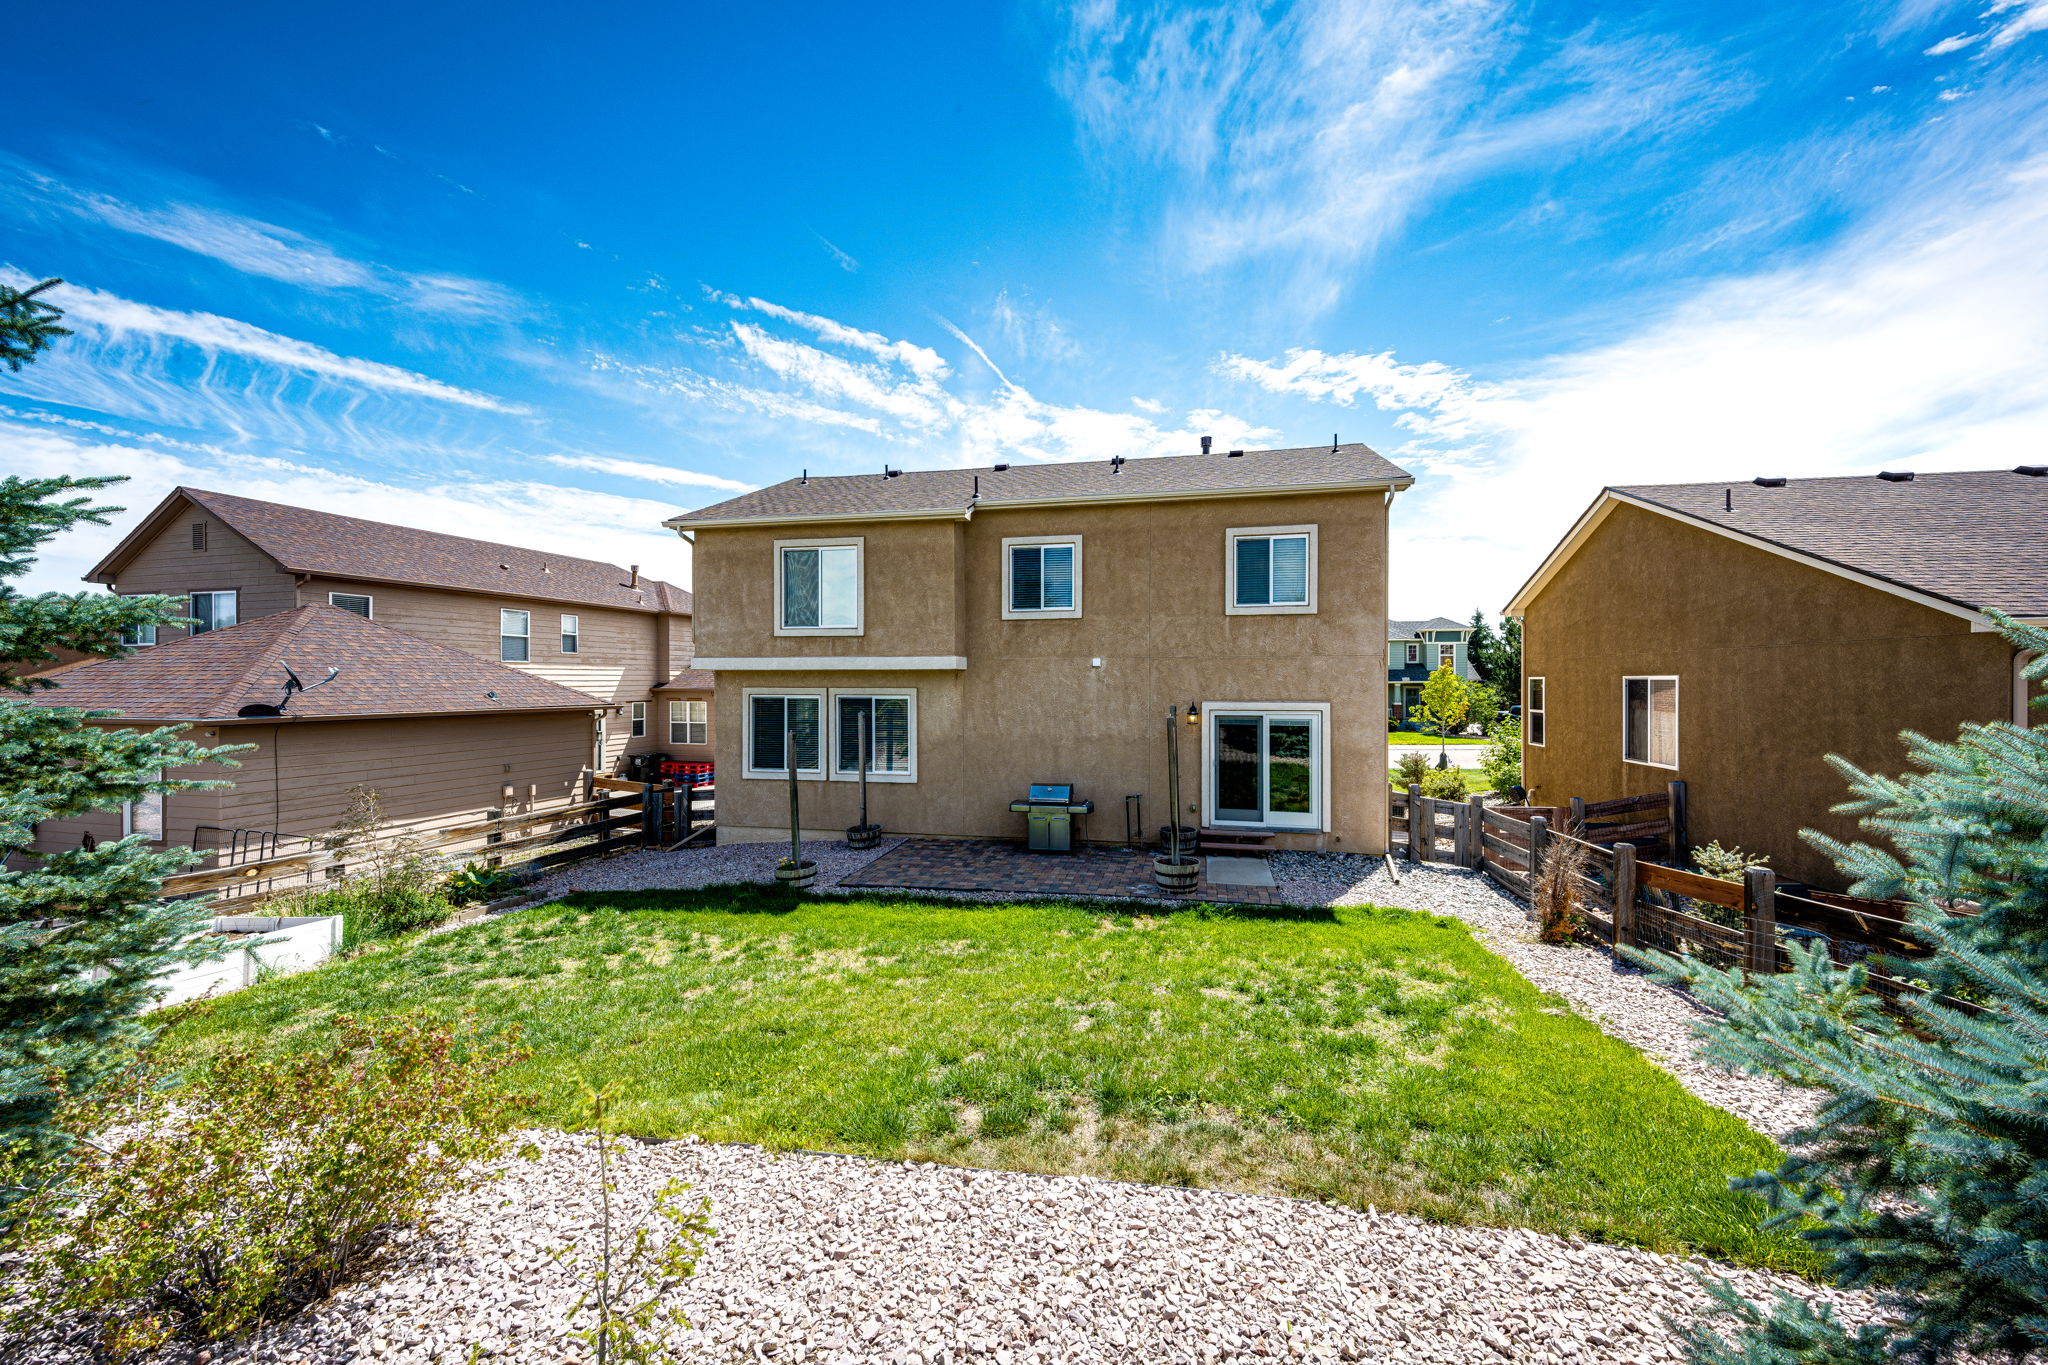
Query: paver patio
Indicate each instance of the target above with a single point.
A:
(997, 865)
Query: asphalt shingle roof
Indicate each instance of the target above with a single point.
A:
(384, 672)
(1978, 539)
(941, 490)
(690, 680)
(1401, 629)
(305, 541)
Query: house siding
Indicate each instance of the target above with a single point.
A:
(169, 564)
(1779, 665)
(1031, 706)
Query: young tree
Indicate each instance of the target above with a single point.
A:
(1446, 701)
(1487, 705)
(1923, 1173)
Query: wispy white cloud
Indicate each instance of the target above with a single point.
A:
(839, 258)
(652, 473)
(1311, 134)
(1031, 329)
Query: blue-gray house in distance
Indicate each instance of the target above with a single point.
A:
(1415, 649)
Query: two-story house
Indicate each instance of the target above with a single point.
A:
(609, 632)
(998, 627)
(1416, 649)
(1733, 635)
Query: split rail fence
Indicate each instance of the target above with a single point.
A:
(1625, 899)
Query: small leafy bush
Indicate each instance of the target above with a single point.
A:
(1412, 768)
(1501, 764)
(201, 1211)
(1445, 784)
(394, 883)
(474, 882)
(1726, 863)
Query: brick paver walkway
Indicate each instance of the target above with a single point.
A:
(997, 865)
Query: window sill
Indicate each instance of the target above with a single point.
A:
(1049, 614)
(897, 778)
(819, 630)
(802, 775)
(1234, 610)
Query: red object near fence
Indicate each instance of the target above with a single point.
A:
(687, 772)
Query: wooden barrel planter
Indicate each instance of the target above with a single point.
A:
(798, 876)
(1181, 876)
(863, 836)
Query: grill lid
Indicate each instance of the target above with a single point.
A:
(1055, 792)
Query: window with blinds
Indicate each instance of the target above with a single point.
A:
(774, 724)
(819, 587)
(1272, 568)
(1043, 577)
(1533, 714)
(887, 721)
(1649, 721)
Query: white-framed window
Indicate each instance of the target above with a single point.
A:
(778, 721)
(1267, 764)
(689, 721)
(818, 587)
(1414, 652)
(515, 636)
(357, 602)
(1532, 712)
(1446, 654)
(142, 636)
(213, 610)
(145, 814)
(890, 718)
(1649, 721)
(1269, 570)
(572, 634)
(638, 713)
(1041, 577)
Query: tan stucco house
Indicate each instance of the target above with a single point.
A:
(1022, 624)
(1731, 635)
(440, 734)
(600, 629)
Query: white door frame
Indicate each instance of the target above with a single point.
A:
(1319, 709)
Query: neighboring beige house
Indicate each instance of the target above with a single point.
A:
(594, 627)
(440, 734)
(1037, 623)
(1732, 635)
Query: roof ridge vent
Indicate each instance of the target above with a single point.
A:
(1235, 453)
(998, 468)
(1768, 483)
(2032, 471)
(1896, 475)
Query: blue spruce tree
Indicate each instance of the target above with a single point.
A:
(1924, 1178)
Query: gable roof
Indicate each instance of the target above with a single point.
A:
(1398, 630)
(302, 540)
(384, 672)
(956, 492)
(1957, 542)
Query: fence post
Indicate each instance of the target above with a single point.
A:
(496, 815)
(1539, 844)
(1624, 895)
(1760, 918)
(1414, 824)
(1475, 830)
(650, 814)
(1681, 837)
(1578, 825)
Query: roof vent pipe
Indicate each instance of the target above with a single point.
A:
(2032, 471)
(635, 571)
(1896, 475)
(1333, 443)
(1768, 483)
(1206, 442)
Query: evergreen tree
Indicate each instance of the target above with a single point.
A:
(1925, 1172)
(1481, 644)
(84, 931)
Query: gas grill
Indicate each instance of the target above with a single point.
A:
(1049, 812)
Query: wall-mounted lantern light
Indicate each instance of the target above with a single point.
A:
(1194, 714)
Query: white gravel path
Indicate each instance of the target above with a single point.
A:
(839, 1259)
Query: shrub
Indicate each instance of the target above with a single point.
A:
(1726, 864)
(473, 882)
(1501, 765)
(261, 1185)
(395, 884)
(1445, 784)
(1554, 897)
(1412, 768)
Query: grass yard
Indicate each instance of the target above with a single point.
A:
(1360, 1056)
(1409, 737)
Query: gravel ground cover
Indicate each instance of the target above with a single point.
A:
(841, 1259)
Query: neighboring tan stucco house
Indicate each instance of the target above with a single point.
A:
(595, 627)
(1037, 623)
(1416, 649)
(1734, 634)
(442, 736)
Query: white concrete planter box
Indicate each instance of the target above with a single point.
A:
(289, 943)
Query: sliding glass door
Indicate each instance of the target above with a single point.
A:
(1266, 768)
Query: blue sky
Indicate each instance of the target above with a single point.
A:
(547, 276)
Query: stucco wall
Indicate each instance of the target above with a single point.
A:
(1778, 665)
(1031, 705)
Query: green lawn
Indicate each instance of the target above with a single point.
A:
(1361, 1056)
(1410, 737)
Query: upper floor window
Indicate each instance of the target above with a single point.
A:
(1041, 576)
(136, 637)
(1446, 655)
(1414, 653)
(1271, 570)
(888, 724)
(639, 715)
(1649, 721)
(357, 602)
(515, 636)
(212, 611)
(818, 587)
(1532, 713)
(689, 721)
(779, 723)
(572, 636)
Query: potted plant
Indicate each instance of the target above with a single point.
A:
(795, 871)
(1177, 870)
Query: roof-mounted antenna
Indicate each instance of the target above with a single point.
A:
(292, 683)
(1116, 464)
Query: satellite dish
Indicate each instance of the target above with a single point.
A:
(258, 710)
